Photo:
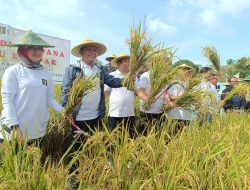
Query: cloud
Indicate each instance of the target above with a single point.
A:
(160, 27)
(177, 3)
(233, 8)
(209, 17)
(209, 13)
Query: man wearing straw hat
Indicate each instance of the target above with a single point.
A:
(111, 66)
(121, 100)
(92, 108)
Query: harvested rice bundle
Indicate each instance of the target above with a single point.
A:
(81, 87)
(140, 51)
(192, 98)
(161, 74)
(241, 90)
(213, 56)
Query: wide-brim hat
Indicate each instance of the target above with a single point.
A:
(101, 48)
(30, 39)
(247, 78)
(185, 66)
(111, 57)
(118, 58)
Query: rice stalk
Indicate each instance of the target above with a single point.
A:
(240, 90)
(81, 87)
(192, 98)
(140, 52)
(161, 74)
(213, 56)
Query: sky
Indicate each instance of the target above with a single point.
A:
(187, 25)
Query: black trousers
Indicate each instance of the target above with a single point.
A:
(128, 122)
(88, 126)
(148, 120)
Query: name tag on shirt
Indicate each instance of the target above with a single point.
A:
(44, 82)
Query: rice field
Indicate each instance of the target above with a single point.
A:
(213, 156)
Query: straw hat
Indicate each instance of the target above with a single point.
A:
(118, 58)
(101, 48)
(111, 57)
(185, 66)
(30, 39)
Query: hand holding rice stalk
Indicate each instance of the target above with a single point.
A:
(81, 87)
(212, 55)
(140, 52)
(240, 90)
(191, 98)
(161, 74)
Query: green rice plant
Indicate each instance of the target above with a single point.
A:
(140, 51)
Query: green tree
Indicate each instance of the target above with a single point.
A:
(241, 66)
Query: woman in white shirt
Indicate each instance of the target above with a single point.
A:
(27, 92)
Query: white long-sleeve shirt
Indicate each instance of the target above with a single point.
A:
(26, 96)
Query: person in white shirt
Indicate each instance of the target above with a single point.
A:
(181, 116)
(211, 104)
(88, 115)
(121, 100)
(27, 92)
(154, 113)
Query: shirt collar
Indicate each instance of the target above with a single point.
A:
(84, 65)
(119, 72)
